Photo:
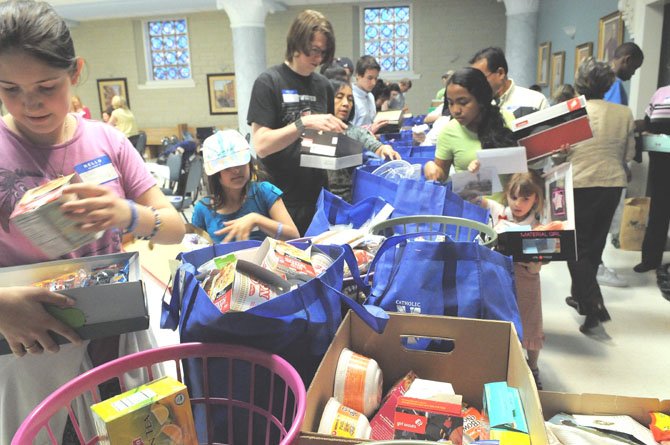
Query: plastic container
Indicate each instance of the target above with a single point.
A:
(358, 382)
(340, 421)
(397, 170)
(283, 424)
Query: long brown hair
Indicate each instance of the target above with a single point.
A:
(300, 35)
(217, 195)
(527, 184)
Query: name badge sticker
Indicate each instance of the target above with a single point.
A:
(97, 171)
(290, 96)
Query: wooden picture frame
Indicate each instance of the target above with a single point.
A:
(610, 35)
(557, 71)
(582, 52)
(221, 93)
(108, 88)
(543, 63)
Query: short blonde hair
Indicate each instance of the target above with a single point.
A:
(118, 102)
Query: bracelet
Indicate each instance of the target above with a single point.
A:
(157, 225)
(133, 216)
(280, 227)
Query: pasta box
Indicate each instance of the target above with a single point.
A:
(102, 310)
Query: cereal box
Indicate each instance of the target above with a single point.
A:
(157, 413)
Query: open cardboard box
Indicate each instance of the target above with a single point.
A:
(108, 309)
(601, 404)
(483, 351)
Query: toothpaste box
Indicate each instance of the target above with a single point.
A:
(39, 217)
(158, 412)
(505, 412)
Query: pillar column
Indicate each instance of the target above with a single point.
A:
(247, 22)
(521, 40)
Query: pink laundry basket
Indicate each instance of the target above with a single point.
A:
(280, 407)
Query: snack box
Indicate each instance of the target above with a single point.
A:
(158, 412)
(480, 351)
(38, 216)
(547, 245)
(329, 151)
(100, 311)
(656, 142)
(545, 131)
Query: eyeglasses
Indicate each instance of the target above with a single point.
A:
(314, 51)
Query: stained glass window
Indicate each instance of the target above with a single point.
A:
(170, 56)
(387, 36)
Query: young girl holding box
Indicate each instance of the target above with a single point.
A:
(524, 196)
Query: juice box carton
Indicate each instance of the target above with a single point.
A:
(39, 217)
(157, 413)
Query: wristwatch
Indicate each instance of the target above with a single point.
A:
(300, 126)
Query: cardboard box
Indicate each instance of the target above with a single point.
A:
(158, 412)
(329, 151)
(601, 404)
(545, 131)
(483, 351)
(394, 119)
(656, 142)
(100, 311)
(550, 245)
(39, 217)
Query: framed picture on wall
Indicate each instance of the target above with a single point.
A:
(108, 88)
(221, 92)
(610, 35)
(543, 56)
(557, 70)
(582, 52)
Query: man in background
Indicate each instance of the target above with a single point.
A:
(628, 57)
(509, 96)
(367, 72)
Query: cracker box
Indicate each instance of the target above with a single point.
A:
(100, 311)
(38, 216)
(545, 131)
(158, 412)
(476, 352)
(559, 244)
(329, 151)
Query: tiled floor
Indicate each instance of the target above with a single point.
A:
(629, 355)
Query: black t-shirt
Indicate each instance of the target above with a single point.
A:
(279, 97)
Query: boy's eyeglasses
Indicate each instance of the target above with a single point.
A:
(314, 51)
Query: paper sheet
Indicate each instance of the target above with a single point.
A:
(504, 160)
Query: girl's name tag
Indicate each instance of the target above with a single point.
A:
(97, 171)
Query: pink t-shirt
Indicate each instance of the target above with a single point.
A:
(24, 165)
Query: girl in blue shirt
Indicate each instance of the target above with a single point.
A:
(239, 207)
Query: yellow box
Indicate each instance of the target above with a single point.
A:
(157, 413)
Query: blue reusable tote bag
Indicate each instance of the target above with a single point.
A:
(463, 279)
(298, 325)
(332, 210)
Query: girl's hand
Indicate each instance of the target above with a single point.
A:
(239, 229)
(25, 323)
(473, 167)
(387, 152)
(96, 208)
(431, 171)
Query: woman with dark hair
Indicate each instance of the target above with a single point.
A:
(340, 181)
(476, 124)
(599, 174)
